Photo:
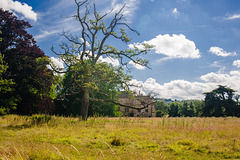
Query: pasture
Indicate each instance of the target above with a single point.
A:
(51, 137)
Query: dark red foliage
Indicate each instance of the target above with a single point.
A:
(33, 79)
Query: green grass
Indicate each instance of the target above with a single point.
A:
(45, 137)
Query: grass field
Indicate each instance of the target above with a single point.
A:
(45, 137)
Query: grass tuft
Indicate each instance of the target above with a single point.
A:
(117, 142)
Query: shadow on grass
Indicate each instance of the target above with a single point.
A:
(17, 127)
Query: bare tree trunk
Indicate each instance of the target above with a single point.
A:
(85, 104)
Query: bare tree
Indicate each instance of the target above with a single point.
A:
(85, 49)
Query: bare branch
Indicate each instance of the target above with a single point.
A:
(120, 104)
(57, 71)
(125, 24)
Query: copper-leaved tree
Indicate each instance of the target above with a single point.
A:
(86, 49)
(25, 68)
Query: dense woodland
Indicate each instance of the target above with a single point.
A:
(29, 86)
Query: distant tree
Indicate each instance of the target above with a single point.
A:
(159, 113)
(27, 66)
(192, 112)
(188, 109)
(219, 102)
(199, 105)
(174, 109)
(184, 109)
(237, 108)
(161, 108)
(92, 44)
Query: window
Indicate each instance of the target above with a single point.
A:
(146, 110)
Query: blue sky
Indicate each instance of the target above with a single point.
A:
(196, 42)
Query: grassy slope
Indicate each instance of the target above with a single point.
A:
(38, 137)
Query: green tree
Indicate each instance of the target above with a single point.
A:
(219, 102)
(199, 105)
(161, 108)
(174, 109)
(7, 102)
(27, 67)
(184, 109)
(92, 44)
(104, 92)
(237, 109)
(107, 91)
(188, 109)
(192, 111)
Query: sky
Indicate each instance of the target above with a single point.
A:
(196, 43)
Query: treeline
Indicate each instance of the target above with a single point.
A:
(219, 102)
(179, 109)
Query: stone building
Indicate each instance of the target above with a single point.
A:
(142, 106)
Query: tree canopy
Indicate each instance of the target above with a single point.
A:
(220, 102)
(26, 67)
(105, 90)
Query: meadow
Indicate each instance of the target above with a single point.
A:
(51, 137)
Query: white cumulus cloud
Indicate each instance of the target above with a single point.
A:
(232, 79)
(176, 89)
(220, 52)
(215, 77)
(175, 46)
(19, 7)
(236, 63)
(182, 89)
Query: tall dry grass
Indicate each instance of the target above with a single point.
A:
(45, 137)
